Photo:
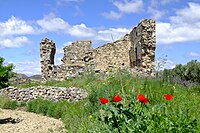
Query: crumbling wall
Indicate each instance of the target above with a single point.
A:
(142, 51)
(79, 53)
(113, 55)
(47, 52)
(133, 51)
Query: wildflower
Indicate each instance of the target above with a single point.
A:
(110, 83)
(104, 100)
(168, 97)
(117, 98)
(142, 98)
(145, 100)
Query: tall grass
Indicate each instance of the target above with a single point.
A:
(84, 116)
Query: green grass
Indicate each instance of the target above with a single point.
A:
(83, 116)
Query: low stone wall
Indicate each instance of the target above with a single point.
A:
(45, 92)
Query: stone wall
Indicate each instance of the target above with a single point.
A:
(45, 92)
(142, 51)
(135, 50)
(113, 55)
(47, 52)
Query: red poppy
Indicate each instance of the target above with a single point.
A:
(104, 100)
(145, 101)
(117, 98)
(142, 98)
(168, 97)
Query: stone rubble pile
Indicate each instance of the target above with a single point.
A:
(45, 92)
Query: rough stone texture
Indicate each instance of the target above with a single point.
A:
(113, 55)
(50, 93)
(47, 52)
(78, 54)
(135, 50)
(142, 51)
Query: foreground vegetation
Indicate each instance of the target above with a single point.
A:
(121, 102)
(128, 114)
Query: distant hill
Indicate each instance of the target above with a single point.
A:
(20, 75)
(22, 78)
(37, 77)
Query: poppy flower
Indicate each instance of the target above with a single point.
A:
(145, 101)
(142, 98)
(168, 97)
(104, 100)
(117, 98)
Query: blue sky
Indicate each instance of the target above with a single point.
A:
(23, 24)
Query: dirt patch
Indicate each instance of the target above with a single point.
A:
(29, 123)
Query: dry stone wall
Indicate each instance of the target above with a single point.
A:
(45, 92)
(135, 50)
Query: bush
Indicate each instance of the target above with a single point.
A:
(10, 105)
(187, 75)
(5, 73)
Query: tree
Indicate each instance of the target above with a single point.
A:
(5, 73)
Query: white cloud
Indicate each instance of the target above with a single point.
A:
(27, 67)
(185, 26)
(188, 15)
(111, 34)
(59, 51)
(51, 23)
(67, 43)
(153, 10)
(164, 2)
(133, 6)
(81, 31)
(58, 61)
(194, 54)
(112, 15)
(10, 31)
(14, 42)
(156, 14)
(170, 64)
(164, 63)
(15, 26)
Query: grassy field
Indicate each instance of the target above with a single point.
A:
(180, 114)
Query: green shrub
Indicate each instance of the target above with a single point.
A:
(187, 75)
(5, 73)
(10, 105)
(39, 105)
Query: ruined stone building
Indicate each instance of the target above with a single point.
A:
(135, 50)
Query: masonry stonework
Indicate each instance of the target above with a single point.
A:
(135, 51)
